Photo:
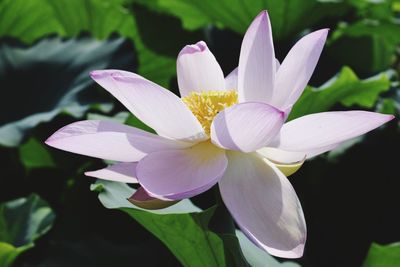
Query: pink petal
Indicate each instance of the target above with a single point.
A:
(105, 80)
(264, 204)
(231, 80)
(152, 104)
(198, 70)
(257, 62)
(320, 132)
(246, 126)
(124, 172)
(178, 174)
(143, 200)
(297, 68)
(281, 156)
(110, 140)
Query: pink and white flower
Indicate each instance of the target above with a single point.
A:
(229, 131)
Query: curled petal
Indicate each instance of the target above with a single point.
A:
(281, 156)
(264, 205)
(198, 70)
(246, 126)
(178, 174)
(287, 162)
(143, 200)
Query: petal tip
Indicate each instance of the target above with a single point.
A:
(390, 117)
(261, 19)
(200, 46)
(89, 173)
(322, 33)
(48, 141)
(263, 15)
(94, 73)
(97, 74)
(383, 118)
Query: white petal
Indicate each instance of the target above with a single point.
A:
(155, 106)
(297, 68)
(246, 126)
(124, 172)
(198, 70)
(264, 205)
(287, 162)
(179, 174)
(257, 62)
(281, 156)
(320, 132)
(231, 80)
(110, 140)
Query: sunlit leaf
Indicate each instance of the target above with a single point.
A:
(287, 16)
(185, 234)
(383, 255)
(22, 221)
(32, 19)
(367, 45)
(389, 106)
(345, 88)
(183, 228)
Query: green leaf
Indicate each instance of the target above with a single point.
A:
(115, 195)
(389, 106)
(22, 221)
(34, 154)
(366, 46)
(287, 16)
(29, 20)
(345, 88)
(53, 75)
(185, 234)
(383, 255)
(184, 229)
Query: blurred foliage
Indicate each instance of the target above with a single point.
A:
(345, 88)
(287, 17)
(68, 18)
(53, 76)
(33, 154)
(22, 221)
(47, 49)
(383, 256)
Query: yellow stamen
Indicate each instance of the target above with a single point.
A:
(206, 105)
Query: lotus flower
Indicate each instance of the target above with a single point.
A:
(229, 131)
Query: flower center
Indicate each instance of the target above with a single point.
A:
(206, 105)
